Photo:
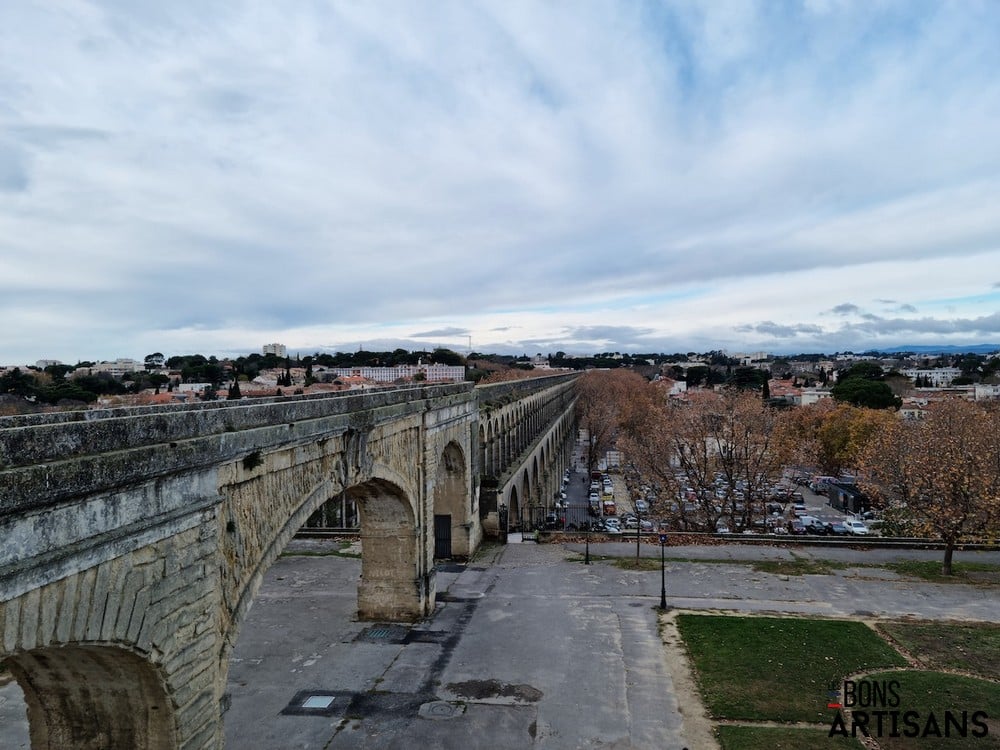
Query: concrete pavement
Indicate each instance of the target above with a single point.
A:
(527, 647)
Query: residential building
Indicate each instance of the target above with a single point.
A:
(278, 350)
(985, 391)
(432, 373)
(812, 395)
(118, 368)
(936, 377)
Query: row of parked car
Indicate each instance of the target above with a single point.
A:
(616, 524)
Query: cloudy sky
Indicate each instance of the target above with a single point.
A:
(584, 176)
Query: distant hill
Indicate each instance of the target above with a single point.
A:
(972, 349)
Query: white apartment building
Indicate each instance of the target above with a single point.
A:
(433, 373)
(279, 350)
(985, 391)
(812, 395)
(938, 376)
(119, 367)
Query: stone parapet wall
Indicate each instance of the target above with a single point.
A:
(54, 463)
(499, 393)
(46, 437)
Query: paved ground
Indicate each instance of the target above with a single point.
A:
(527, 648)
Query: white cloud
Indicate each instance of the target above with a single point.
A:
(180, 177)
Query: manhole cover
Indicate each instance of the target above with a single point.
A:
(459, 598)
(441, 710)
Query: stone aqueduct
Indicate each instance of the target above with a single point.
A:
(135, 540)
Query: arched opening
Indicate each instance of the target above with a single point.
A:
(392, 585)
(314, 594)
(514, 510)
(86, 697)
(525, 519)
(452, 523)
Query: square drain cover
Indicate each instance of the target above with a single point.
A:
(383, 634)
(317, 703)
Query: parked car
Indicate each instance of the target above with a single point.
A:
(815, 526)
(838, 529)
(641, 506)
(856, 527)
(799, 509)
(795, 526)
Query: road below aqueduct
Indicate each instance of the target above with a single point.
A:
(528, 647)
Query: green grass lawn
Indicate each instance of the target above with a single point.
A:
(782, 738)
(935, 693)
(778, 669)
(930, 570)
(968, 647)
(797, 567)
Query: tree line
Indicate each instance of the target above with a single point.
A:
(720, 455)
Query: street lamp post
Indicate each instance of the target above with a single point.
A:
(586, 536)
(663, 574)
(638, 534)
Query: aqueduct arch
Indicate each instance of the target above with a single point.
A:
(138, 537)
(391, 571)
(453, 506)
(93, 697)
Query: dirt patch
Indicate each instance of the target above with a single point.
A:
(486, 689)
(698, 729)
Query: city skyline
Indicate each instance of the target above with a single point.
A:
(646, 177)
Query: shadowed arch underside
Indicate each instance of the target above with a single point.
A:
(85, 697)
(452, 505)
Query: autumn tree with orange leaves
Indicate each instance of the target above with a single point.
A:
(604, 402)
(831, 436)
(943, 471)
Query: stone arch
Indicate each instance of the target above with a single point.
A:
(484, 466)
(90, 697)
(393, 586)
(526, 499)
(513, 509)
(452, 514)
(391, 515)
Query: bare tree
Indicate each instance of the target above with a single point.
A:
(716, 455)
(942, 471)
